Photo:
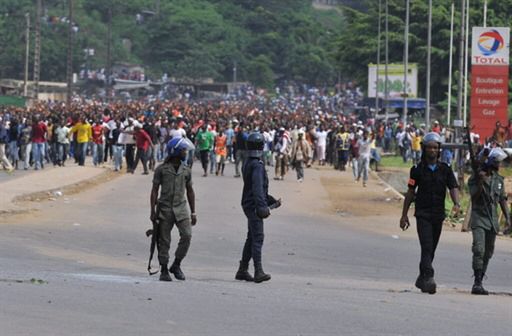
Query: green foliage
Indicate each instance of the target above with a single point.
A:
(268, 39)
(358, 42)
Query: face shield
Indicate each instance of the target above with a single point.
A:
(495, 156)
(177, 145)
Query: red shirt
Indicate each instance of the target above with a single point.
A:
(97, 134)
(38, 132)
(143, 139)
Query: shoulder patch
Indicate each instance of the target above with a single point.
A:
(412, 182)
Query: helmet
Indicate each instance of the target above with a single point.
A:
(176, 145)
(255, 143)
(497, 154)
(432, 136)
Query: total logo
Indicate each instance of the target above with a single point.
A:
(490, 42)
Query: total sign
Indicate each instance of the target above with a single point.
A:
(489, 79)
(490, 46)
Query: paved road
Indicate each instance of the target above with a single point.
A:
(78, 268)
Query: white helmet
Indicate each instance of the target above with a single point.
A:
(497, 154)
(432, 136)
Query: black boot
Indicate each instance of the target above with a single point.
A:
(429, 286)
(242, 273)
(420, 282)
(176, 270)
(259, 274)
(478, 288)
(164, 274)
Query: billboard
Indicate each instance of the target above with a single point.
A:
(489, 78)
(395, 80)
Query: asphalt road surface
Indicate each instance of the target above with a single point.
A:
(78, 267)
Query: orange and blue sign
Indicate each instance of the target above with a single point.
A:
(490, 42)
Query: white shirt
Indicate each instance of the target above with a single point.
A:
(126, 138)
(365, 148)
(62, 134)
(321, 138)
(177, 133)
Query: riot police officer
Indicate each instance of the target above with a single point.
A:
(427, 188)
(487, 189)
(174, 180)
(256, 203)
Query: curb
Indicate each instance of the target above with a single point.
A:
(50, 194)
(393, 190)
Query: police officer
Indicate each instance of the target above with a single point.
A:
(427, 188)
(174, 180)
(487, 189)
(256, 203)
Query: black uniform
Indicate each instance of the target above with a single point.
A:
(254, 204)
(431, 182)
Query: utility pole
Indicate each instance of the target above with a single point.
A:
(234, 72)
(460, 84)
(69, 69)
(386, 73)
(466, 50)
(157, 7)
(109, 55)
(37, 48)
(460, 88)
(378, 62)
(406, 59)
(485, 13)
(429, 53)
(450, 68)
(27, 53)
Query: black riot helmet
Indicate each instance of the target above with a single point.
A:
(255, 143)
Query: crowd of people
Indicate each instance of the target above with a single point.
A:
(299, 130)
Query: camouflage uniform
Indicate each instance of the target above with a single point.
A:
(484, 217)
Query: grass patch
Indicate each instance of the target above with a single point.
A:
(394, 161)
(506, 171)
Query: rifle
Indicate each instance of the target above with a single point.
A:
(475, 166)
(154, 240)
(474, 163)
